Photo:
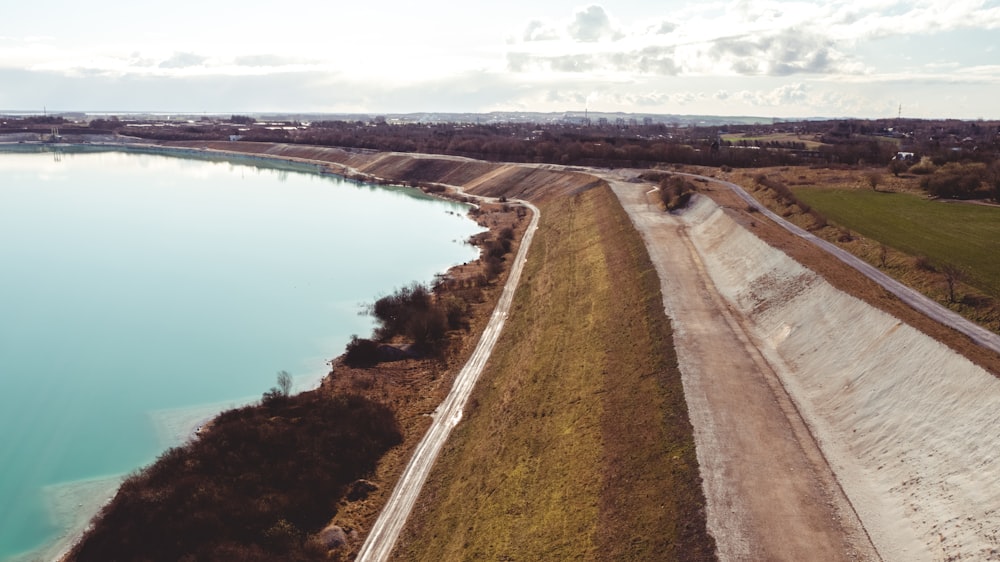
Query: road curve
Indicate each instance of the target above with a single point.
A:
(382, 538)
(978, 334)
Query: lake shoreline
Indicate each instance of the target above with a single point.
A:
(65, 543)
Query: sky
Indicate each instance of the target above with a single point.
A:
(768, 58)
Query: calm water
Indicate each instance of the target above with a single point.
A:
(140, 293)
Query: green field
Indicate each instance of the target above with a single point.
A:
(962, 234)
(806, 140)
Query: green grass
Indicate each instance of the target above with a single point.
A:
(961, 234)
(806, 140)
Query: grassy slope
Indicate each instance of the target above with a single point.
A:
(965, 235)
(577, 443)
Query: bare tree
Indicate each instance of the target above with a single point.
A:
(953, 275)
(284, 383)
(279, 393)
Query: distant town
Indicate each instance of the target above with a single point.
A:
(571, 138)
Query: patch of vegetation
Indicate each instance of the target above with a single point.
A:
(361, 352)
(411, 312)
(967, 236)
(257, 486)
(957, 181)
(576, 444)
(676, 192)
(422, 317)
(784, 196)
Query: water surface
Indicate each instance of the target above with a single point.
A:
(140, 293)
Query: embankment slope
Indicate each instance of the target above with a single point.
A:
(490, 179)
(909, 426)
(577, 444)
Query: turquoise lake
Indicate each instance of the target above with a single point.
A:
(141, 293)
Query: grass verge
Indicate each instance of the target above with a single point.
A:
(576, 444)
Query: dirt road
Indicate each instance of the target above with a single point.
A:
(382, 537)
(771, 494)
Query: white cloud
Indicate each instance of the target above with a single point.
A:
(790, 51)
(664, 28)
(183, 60)
(650, 60)
(538, 31)
(269, 61)
(592, 24)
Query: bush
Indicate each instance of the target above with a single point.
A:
(925, 166)
(414, 313)
(497, 248)
(676, 192)
(923, 263)
(457, 312)
(254, 487)
(493, 267)
(392, 312)
(361, 352)
(956, 181)
(819, 221)
(897, 166)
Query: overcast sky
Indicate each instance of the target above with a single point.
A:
(861, 58)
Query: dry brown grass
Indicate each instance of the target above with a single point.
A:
(577, 445)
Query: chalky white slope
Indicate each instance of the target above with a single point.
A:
(911, 428)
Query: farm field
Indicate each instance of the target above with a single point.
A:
(806, 140)
(965, 235)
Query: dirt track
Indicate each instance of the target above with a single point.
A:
(907, 427)
(770, 493)
(382, 537)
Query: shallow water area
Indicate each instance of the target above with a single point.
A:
(142, 293)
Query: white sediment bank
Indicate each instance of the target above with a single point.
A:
(909, 426)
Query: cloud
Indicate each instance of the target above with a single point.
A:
(592, 24)
(789, 94)
(647, 61)
(655, 60)
(781, 53)
(659, 61)
(858, 20)
(256, 61)
(573, 63)
(665, 28)
(538, 31)
(183, 60)
(566, 98)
